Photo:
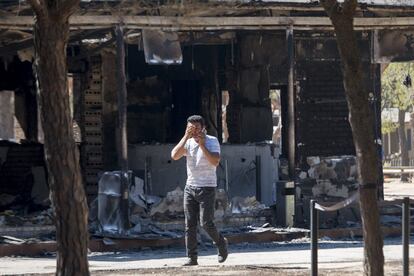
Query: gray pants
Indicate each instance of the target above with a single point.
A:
(199, 203)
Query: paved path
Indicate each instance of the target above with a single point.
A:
(394, 189)
(333, 254)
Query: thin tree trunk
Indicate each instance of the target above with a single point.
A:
(361, 120)
(62, 156)
(403, 143)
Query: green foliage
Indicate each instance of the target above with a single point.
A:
(394, 92)
(387, 126)
(274, 94)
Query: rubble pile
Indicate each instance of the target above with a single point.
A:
(333, 177)
(12, 218)
(151, 215)
(171, 206)
(6, 199)
(240, 205)
(24, 194)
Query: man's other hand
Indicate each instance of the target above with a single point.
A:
(201, 139)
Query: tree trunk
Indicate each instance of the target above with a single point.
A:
(403, 143)
(361, 120)
(62, 156)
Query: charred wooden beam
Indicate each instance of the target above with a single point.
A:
(122, 98)
(92, 51)
(203, 7)
(12, 48)
(211, 23)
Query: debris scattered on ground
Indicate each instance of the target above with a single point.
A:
(152, 215)
(171, 205)
(390, 220)
(6, 199)
(11, 240)
(171, 234)
(11, 218)
(40, 189)
(108, 241)
(241, 205)
(222, 204)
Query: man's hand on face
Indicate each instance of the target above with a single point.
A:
(201, 138)
(189, 131)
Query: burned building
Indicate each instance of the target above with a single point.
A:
(270, 69)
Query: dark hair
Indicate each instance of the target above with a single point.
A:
(196, 119)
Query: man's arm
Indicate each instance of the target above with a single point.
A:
(212, 157)
(179, 150)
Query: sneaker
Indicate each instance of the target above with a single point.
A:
(190, 262)
(222, 251)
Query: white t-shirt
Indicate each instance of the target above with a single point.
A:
(200, 173)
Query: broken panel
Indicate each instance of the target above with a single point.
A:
(161, 47)
(7, 115)
(110, 215)
(393, 45)
(322, 112)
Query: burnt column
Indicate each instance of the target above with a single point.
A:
(291, 103)
(122, 123)
(109, 110)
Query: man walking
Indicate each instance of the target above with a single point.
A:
(203, 156)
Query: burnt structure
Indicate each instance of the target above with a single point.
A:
(245, 51)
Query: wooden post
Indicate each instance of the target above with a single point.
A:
(258, 178)
(406, 235)
(122, 123)
(219, 95)
(291, 103)
(314, 225)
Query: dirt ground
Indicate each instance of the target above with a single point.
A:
(391, 269)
